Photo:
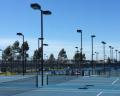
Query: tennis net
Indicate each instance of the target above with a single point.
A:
(56, 79)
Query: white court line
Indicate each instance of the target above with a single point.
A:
(99, 93)
(85, 76)
(64, 90)
(115, 81)
(60, 91)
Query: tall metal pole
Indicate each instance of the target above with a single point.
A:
(42, 74)
(119, 56)
(92, 57)
(37, 66)
(76, 60)
(92, 36)
(81, 57)
(104, 53)
(36, 6)
(116, 54)
(81, 46)
(23, 57)
(112, 55)
(23, 53)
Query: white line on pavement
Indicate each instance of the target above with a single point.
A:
(115, 81)
(99, 93)
(65, 90)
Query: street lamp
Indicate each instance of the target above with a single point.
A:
(36, 6)
(104, 52)
(20, 34)
(92, 36)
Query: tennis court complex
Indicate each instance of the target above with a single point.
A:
(63, 85)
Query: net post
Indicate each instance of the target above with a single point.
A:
(37, 85)
(47, 79)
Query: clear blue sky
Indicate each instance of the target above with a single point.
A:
(99, 17)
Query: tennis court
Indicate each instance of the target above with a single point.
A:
(74, 86)
(11, 85)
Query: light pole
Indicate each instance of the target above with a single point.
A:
(110, 53)
(80, 31)
(92, 36)
(39, 43)
(20, 34)
(76, 59)
(36, 6)
(116, 55)
(119, 56)
(104, 52)
(81, 57)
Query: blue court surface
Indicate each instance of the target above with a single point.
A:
(78, 86)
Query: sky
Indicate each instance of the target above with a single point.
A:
(93, 17)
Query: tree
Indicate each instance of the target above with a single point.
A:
(62, 56)
(77, 57)
(26, 48)
(16, 50)
(7, 54)
(108, 60)
(37, 54)
(51, 59)
(15, 45)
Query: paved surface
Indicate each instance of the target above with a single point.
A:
(81, 86)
